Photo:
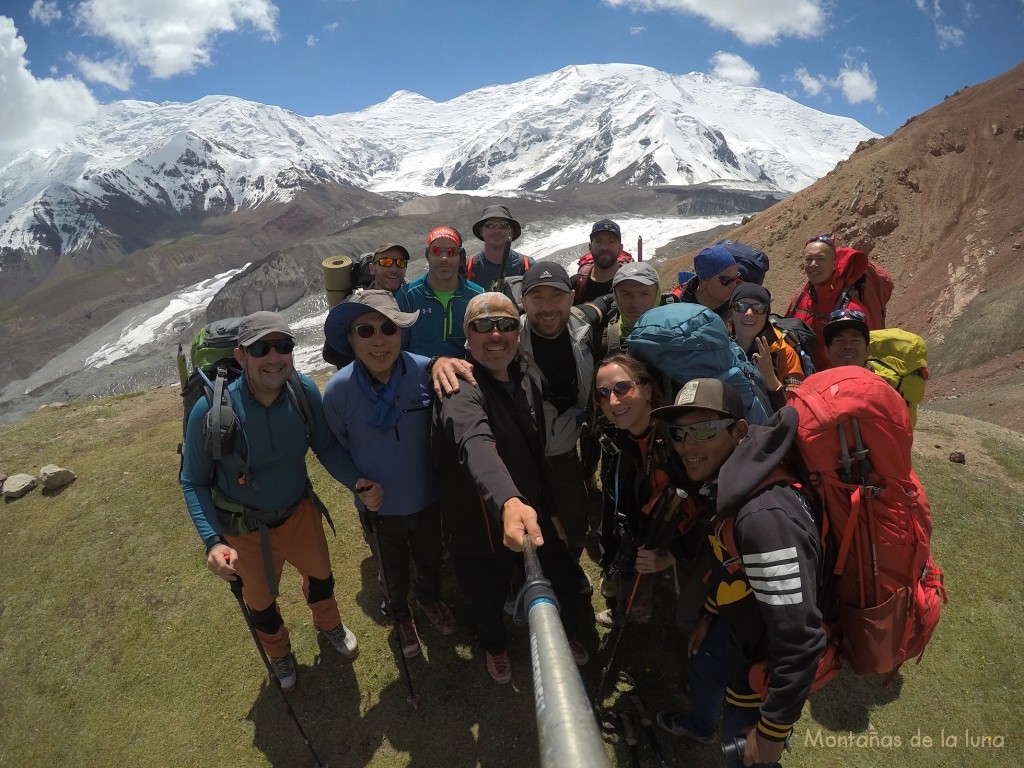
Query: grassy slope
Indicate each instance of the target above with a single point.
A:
(117, 647)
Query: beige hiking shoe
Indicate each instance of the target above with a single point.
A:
(407, 638)
(499, 667)
(440, 615)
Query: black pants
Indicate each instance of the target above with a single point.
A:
(417, 536)
(484, 579)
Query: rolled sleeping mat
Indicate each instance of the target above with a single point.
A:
(337, 279)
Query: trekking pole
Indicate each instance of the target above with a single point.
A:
(566, 727)
(412, 700)
(639, 248)
(619, 631)
(504, 265)
(236, 590)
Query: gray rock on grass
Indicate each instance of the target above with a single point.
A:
(53, 477)
(17, 486)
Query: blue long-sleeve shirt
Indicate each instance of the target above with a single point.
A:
(398, 458)
(273, 440)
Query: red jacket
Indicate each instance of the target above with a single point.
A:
(814, 303)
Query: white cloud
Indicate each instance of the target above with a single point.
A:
(311, 41)
(637, 30)
(729, 66)
(813, 85)
(857, 83)
(173, 37)
(116, 74)
(45, 12)
(949, 35)
(752, 21)
(34, 112)
(332, 27)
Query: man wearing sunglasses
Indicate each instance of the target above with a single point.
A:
(379, 407)
(440, 296)
(716, 277)
(387, 266)
(496, 228)
(762, 597)
(488, 445)
(254, 508)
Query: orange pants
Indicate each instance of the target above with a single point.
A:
(300, 541)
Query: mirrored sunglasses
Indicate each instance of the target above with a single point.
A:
(848, 314)
(742, 306)
(388, 261)
(497, 224)
(368, 330)
(450, 251)
(262, 348)
(488, 324)
(702, 431)
(620, 388)
(727, 281)
(827, 239)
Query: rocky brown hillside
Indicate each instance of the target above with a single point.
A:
(940, 204)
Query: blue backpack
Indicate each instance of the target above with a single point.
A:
(752, 263)
(688, 341)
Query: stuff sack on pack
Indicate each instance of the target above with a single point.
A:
(213, 367)
(687, 341)
(752, 263)
(854, 436)
(901, 358)
(800, 337)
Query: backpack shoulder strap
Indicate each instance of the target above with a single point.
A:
(297, 394)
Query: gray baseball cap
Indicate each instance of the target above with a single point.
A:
(259, 324)
(702, 395)
(638, 272)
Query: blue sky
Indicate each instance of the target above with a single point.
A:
(877, 61)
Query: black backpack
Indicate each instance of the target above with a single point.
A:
(752, 263)
(800, 337)
(359, 272)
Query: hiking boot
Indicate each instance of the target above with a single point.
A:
(284, 671)
(606, 618)
(440, 615)
(408, 638)
(580, 655)
(499, 667)
(343, 640)
(678, 724)
(385, 611)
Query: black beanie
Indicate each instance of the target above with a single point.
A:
(751, 291)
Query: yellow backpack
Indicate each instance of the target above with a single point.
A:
(901, 358)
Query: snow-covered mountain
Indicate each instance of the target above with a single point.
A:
(594, 123)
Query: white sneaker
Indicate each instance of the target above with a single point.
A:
(343, 640)
(284, 670)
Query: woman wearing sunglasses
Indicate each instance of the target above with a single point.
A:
(750, 325)
(716, 277)
(638, 465)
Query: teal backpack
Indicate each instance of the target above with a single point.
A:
(687, 341)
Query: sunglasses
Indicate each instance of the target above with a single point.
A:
(497, 224)
(488, 324)
(742, 307)
(847, 314)
(368, 330)
(388, 261)
(727, 281)
(450, 251)
(827, 239)
(262, 348)
(619, 388)
(702, 431)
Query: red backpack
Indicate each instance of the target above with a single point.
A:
(854, 436)
(586, 265)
